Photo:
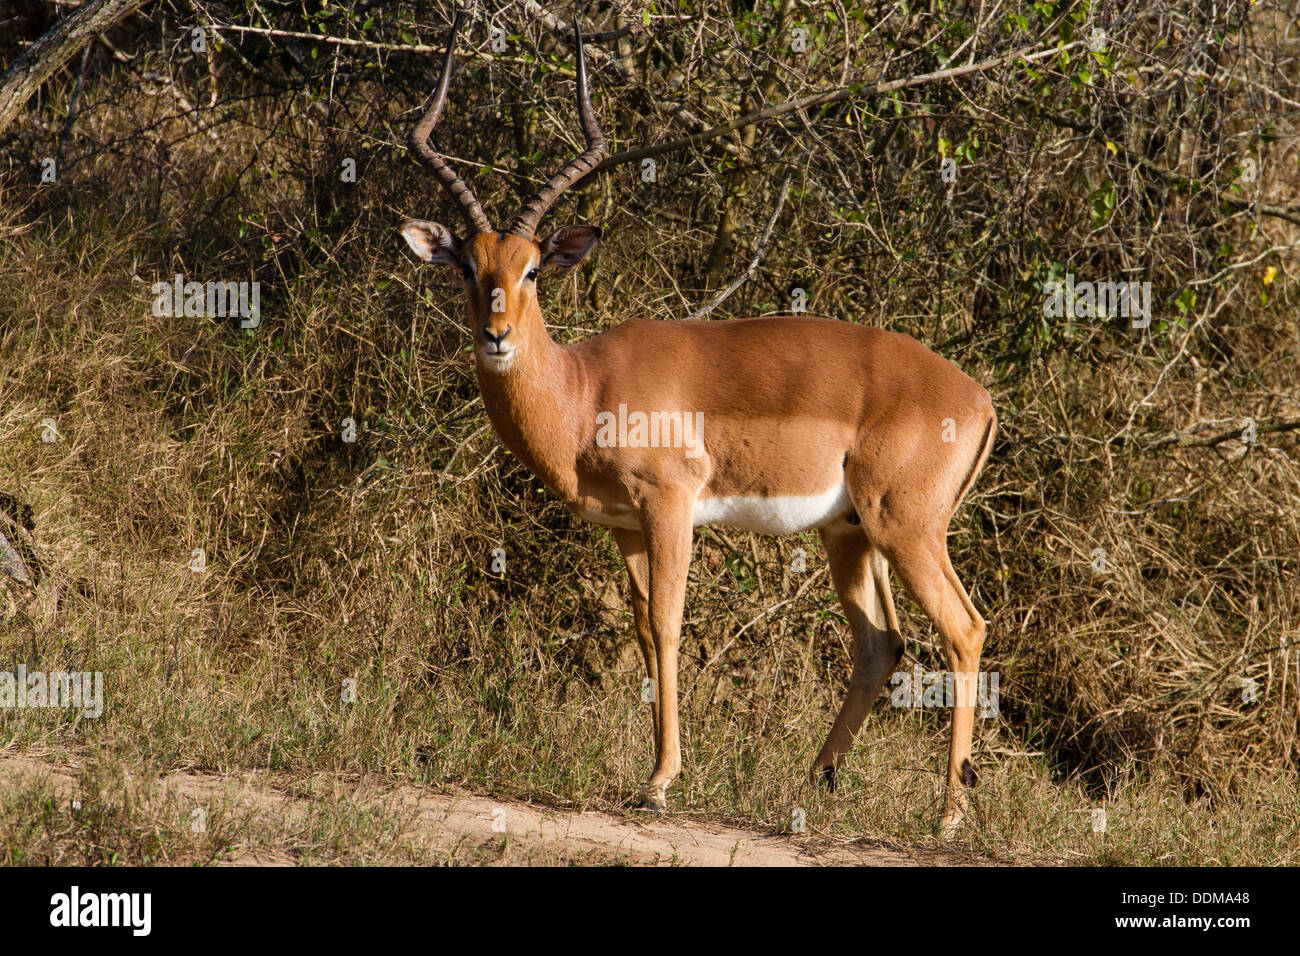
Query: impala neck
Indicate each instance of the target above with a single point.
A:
(533, 404)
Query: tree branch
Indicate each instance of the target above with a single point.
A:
(48, 54)
(740, 280)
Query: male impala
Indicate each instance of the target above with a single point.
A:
(861, 433)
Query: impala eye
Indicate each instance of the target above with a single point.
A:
(532, 275)
(469, 273)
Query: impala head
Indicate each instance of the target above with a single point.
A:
(501, 268)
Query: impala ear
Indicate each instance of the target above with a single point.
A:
(432, 242)
(568, 245)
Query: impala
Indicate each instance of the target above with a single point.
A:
(861, 433)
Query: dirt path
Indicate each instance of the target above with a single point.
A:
(455, 825)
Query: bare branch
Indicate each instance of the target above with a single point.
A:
(740, 280)
(48, 54)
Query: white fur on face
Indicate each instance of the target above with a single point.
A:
(529, 267)
(498, 362)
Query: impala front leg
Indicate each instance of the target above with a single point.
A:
(632, 546)
(667, 531)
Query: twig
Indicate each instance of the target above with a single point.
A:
(740, 280)
(72, 107)
(446, 472)
(323, 38)
(1184, 440)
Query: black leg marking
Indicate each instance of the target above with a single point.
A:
(968, 773)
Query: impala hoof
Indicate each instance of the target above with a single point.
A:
(948, 826)
(655, 800)
(954, 813)
(823, 776)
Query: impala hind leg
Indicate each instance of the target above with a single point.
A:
(923, 567)
(861, 578)
(632, 546)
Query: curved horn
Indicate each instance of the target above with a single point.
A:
(418, 141)
(525, 224)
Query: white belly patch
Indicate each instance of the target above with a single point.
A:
(784, 514)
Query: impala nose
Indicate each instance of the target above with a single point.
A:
(496, 340)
